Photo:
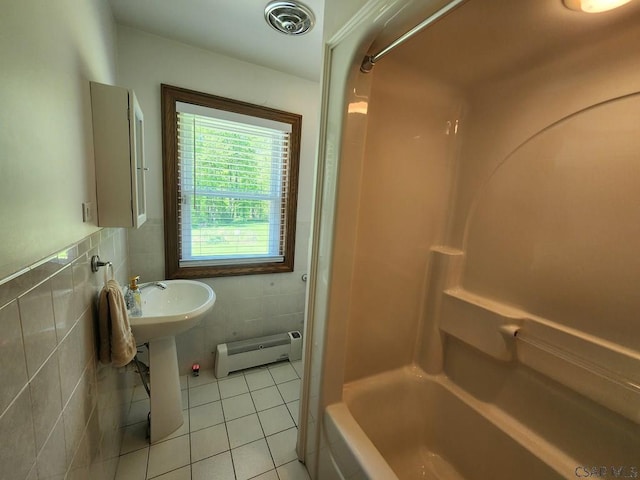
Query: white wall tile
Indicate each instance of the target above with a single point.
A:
(18, 455)
(74, 354)
(62, 291)
(52, 459)
(13, 374)
(38, 326)
(46, 400)
(77, 412)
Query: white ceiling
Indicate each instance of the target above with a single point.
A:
(235, 28)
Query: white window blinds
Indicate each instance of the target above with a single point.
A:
(232, 186)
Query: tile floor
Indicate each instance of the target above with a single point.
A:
(238, 428)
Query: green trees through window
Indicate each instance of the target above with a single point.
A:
(229, 162)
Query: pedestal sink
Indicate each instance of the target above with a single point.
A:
(168, 308)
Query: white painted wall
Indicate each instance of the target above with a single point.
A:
(247, 306)
(49, 51)
(337, 13)
(61, 415)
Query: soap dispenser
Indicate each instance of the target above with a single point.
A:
(133, 299)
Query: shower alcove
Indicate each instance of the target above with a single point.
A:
(473, 307)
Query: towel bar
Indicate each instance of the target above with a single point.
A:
(96, 263)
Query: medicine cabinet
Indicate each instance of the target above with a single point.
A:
(118, 138)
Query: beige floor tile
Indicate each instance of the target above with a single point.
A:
(252, 459)
(167, 456)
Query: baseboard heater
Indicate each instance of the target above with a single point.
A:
(233, 356)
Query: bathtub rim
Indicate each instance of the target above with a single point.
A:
(540, 448)
(365, 454)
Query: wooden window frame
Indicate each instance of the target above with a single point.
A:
(169, 96)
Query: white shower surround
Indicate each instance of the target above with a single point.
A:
(459, 326)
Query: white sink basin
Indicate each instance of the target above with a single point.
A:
(168, 308)
(172, 310)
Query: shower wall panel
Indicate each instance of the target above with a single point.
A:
(546, 213)
(406, 179)
(495, 192)
(547, 200)
(504, 112)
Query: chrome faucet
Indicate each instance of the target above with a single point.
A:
(160, 285)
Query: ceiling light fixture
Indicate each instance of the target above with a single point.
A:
(594, 6)
(290, 18)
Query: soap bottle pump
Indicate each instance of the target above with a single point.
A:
(133, 298)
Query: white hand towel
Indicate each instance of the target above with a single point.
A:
(117, 344)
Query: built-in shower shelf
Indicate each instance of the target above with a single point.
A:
(603, 371)
(480, 322)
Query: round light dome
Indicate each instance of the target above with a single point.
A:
(594, 6)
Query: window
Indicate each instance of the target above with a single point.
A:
(230, 185)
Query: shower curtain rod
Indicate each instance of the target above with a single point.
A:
(370, 60)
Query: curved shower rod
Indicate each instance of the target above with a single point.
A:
(370, 60)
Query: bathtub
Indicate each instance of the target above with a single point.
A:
(405, 424)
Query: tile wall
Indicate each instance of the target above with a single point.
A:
(246, 306)
(61, 410)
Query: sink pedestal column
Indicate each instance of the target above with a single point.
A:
(166, 398)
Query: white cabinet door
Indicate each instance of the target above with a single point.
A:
(118, 137)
